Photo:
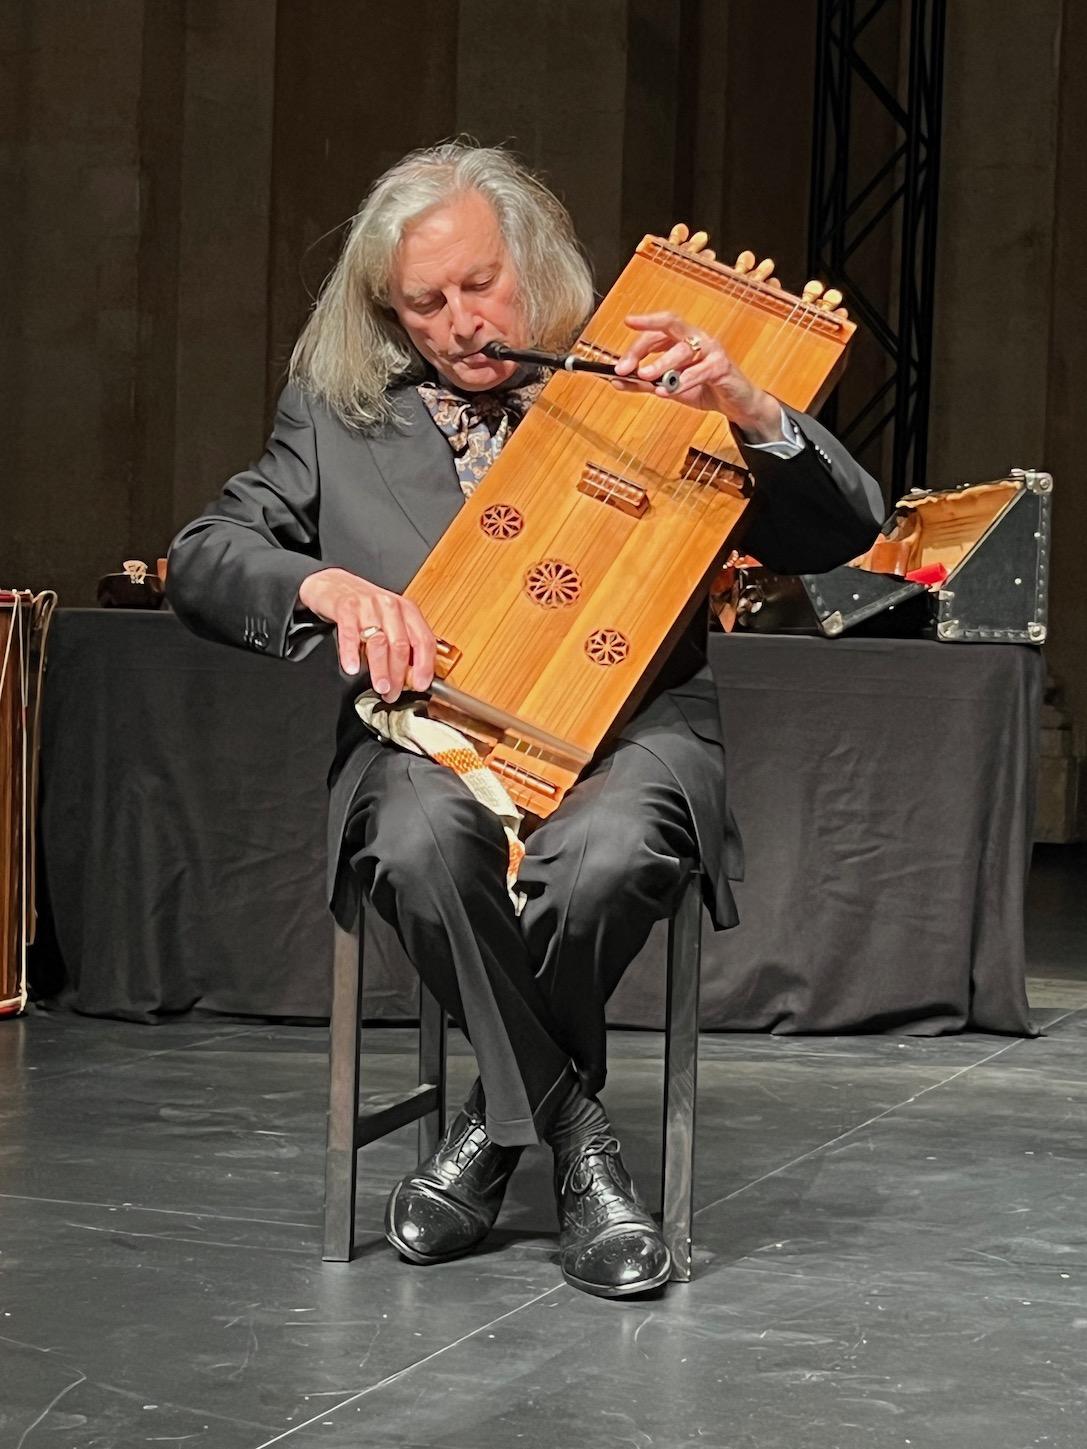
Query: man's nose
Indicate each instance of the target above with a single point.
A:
(462, 317)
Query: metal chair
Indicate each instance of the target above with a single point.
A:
(351, 1126)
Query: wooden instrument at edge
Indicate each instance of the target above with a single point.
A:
(24, 626)
(560, 587)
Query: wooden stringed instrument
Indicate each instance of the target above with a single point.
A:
(565, 579)
(24, 626)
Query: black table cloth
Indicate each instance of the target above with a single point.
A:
(884, 789)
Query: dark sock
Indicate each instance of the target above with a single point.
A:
(476, 1101)
(578, 1119)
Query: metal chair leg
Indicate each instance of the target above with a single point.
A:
(432, 1039)
(681, 1076)
(343, 1097)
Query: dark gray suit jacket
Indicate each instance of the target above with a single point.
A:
(324, 496)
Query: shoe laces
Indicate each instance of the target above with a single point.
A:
(469, 1147)
(578, 1177)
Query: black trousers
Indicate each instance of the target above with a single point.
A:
(529, 990)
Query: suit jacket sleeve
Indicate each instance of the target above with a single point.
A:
(811, 512)
(235, 571)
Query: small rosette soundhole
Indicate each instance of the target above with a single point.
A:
(552, 584)
(501, 520)
(607, 646)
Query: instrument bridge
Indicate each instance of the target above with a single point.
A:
(612, 488)
(711, 471)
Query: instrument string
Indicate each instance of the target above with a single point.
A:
(686, 499)
(793, 327)
(747, 287)
(792, 331)
(695, 480)
(741, 289)
(620, 437)
(663, 436)
(617, 402)
(710, 468)
(695, 490)
(630, 405)
(669, 260)
(557, 440)
(810, 314)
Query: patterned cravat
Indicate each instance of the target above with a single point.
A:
(476, 425)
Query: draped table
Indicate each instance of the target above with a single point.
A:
(884, 789)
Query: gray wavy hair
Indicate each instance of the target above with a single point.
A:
(352, 348)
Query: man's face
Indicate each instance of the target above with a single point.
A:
(453, 289)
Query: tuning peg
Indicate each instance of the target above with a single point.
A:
(697, 241)
(831, 298)
(763, 270)
(707, 254)
(744, 262)
(773, 281)
(813, 290)
(841, 314)
(679, 234)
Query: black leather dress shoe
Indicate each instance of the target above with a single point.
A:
(609, 1245)
(449, 1203)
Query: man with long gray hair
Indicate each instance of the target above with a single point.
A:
(390, 418)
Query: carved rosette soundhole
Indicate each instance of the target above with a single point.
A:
(552, 584)
(501, 520)
(607, 646)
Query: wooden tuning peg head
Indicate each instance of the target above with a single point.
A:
(812, 291)
(831, 298)
(744, 262)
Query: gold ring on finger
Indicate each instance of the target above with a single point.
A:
(695, 344)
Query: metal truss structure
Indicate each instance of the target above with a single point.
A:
(885, 199)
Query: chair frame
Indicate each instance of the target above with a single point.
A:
(351, 1126)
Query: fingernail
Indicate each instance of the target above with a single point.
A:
(351, 669)
(382, 686)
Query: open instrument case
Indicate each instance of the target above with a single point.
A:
(966, 565)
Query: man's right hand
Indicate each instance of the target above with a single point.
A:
(399, 655)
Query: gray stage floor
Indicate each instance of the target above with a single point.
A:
(891, 1248)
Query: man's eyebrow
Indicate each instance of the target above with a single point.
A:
(481, 269)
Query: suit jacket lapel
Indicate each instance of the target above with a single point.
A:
(416, 464)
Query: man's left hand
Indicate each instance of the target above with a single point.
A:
(708, 378)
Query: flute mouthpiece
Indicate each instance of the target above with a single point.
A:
(496, 351)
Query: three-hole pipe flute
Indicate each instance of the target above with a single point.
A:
(568, 362)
